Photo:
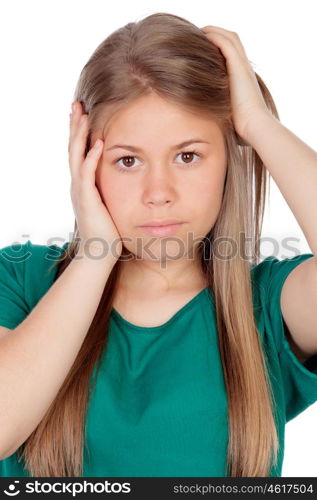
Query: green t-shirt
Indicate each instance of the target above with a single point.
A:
(159, 407)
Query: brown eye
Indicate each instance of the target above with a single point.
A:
(127, 161)
(187, 156)
(126, 164)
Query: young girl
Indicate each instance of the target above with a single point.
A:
(156, 343)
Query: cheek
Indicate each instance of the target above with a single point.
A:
(206, 201)
(208, 190)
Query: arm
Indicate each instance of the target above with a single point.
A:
(36, 357)
(293, 166)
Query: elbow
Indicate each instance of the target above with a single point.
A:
(7, 452)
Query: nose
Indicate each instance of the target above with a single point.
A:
(159, 187)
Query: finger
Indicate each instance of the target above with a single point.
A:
(78, 143)
(74, 118)
(227, 48)
(212, 31)
(222, 40)
(74, 122)
(89, 166)
(80, 137)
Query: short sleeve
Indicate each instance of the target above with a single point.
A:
(25, 276)
(299, 380)
(13, 305)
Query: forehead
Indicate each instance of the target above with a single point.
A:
(154, 106)
(151, 115)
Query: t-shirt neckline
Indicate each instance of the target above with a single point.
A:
(146, 329)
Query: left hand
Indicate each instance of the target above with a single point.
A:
(246, 97)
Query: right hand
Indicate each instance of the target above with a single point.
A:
(96, 227)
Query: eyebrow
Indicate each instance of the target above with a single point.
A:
(177, 146)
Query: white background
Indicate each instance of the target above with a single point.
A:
(44, 46)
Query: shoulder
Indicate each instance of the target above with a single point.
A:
(268, 276)
(19, 256)
(27, 268)
(297, 381)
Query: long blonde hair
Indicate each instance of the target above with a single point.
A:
(167, 54)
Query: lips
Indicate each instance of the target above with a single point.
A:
(161, 223)
(162, 230)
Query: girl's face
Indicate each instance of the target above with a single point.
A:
(158, 178)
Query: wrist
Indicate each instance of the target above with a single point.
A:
(257, 125)
(95, 252)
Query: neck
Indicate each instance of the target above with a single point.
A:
(173, 275)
